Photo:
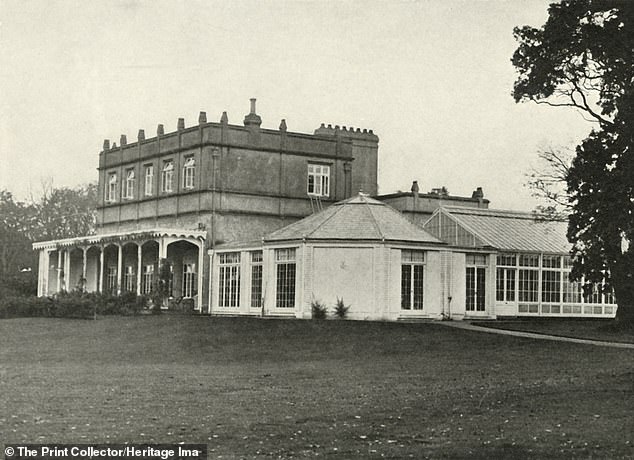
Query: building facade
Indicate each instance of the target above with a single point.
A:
(214, 182)
(254, 221)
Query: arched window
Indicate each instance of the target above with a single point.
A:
(128, 192)
(111, 191)
(167, 177)
(189, 172)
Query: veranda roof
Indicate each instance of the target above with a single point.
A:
(355, 219)
(510, 230)
(121, 236)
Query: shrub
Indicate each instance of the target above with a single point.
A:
(23, 306)
(341, 309)
(75, 304)
(319, 310)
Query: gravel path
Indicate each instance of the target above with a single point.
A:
(532, 335)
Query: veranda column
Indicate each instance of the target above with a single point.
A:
(199, 288)
(59, 270)
(84, 281)
(162, 249)
(138, 268)
(101, 264)
(67, 287)
(119, 268)
(41, 277)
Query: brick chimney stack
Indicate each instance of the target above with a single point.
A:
(252, 120)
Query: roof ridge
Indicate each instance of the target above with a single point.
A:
(502, 213)
(335, 211)
(375, 222)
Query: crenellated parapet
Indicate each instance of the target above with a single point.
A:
(350, 132)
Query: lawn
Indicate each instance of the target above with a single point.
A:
(594, 329)
(254, 388)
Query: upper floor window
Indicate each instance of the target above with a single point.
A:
(149, 179)
(128, 191)
(111, 190)
(318, 180)
(189, 172)
(167, 177)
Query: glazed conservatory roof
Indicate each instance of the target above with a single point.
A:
(511, 230)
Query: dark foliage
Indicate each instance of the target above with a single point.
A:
(318, 309)
(583, 57)
(341, 309)
(72, 305)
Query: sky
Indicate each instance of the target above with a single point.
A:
(432, 78)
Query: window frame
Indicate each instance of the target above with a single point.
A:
(149, 180)
(413, 264)
(147, 278)
(256, 260)
(318, 179)
(167, 176)
(189, 173)
(189, 286)
(229, 280)
(111, 187)
(285, 278)
(130, 182)
(476, 264)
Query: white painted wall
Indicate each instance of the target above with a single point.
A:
(458, 273)
(348, 273)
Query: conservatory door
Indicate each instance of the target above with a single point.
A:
(476, 290)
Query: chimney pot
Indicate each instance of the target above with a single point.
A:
(160, 130)
(478, 193)
(224, 119)
(181, 124)
(415, 188)
(329, 126)
(141, 135)
(283, 125)
(114, 145)
(253, 120)
(106, 144)
(123, 140)
(202, 118)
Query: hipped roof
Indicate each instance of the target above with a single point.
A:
(355, 219)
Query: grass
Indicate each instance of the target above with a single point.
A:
(253, 388)
(599, 329)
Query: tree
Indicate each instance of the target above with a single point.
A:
(59, 213)
(16, 219)
(583, 58)
(547, 182)
(65, 212)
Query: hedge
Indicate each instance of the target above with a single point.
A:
(72, 305)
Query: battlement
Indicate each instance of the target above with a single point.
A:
(252, 122)
(350, 132)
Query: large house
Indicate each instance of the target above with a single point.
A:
(265, 222)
